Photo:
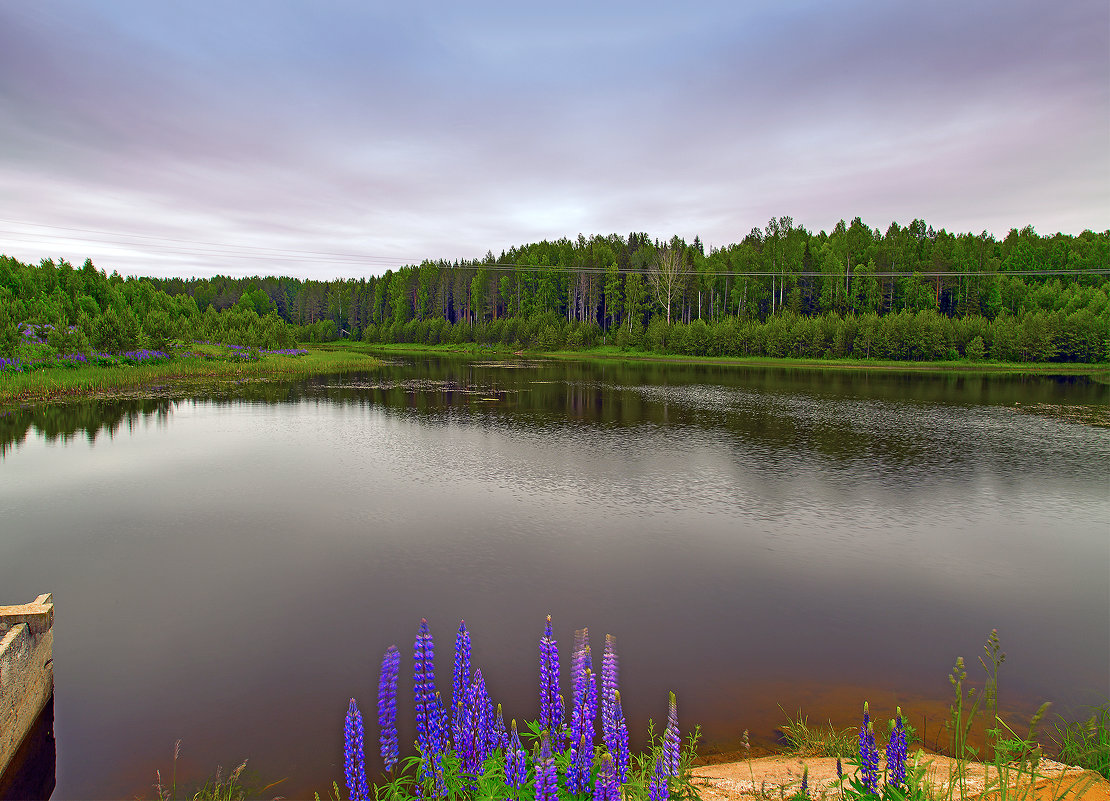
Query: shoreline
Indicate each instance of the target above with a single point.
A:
(1098, 372)
(61, 384)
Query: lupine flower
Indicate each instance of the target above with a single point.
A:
(551, 704)
(354, 755)
(896, 753)
(477, 732)
(621, 755)
(868, 754)
(516, 765)
(607, 785)
(614, 728)
(672, 740)
(500, 736)
(546, 778)
(460, 678)
(582, 729)
(387, 706)
(805, 781)
(424, 685)
(657, 789)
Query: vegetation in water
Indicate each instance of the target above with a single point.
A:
(1086, 743)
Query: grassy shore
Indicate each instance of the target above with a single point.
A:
(59, 383)
(613, 353)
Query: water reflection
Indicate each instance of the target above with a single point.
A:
(31, 773)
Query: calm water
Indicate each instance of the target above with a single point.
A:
(229, 570)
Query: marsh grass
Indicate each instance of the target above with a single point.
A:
(1086, 743)
(206, 366)
(804, 740)
(237, 786)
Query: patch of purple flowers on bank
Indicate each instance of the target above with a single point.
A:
(474, 737)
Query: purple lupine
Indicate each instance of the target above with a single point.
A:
(672, 740)
(868, 753)
(657, 788)
(424, 687)
(460, 679)
(387, 706)
(476, 741)
(896, 754)
(582, 729)
(620, 737)
(551, 704)
(607, 785)
(614, 728)
(516, 765)
(546, 779)
(805, 781)
(500, 736)
(354, 755)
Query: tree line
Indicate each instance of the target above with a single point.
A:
(84, 308)
(910, 292)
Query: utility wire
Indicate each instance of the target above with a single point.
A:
(201, 248)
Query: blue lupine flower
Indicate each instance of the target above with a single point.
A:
(805, 781)
(657, 788)
(582, 726)
(432, 723)
(354, 755)
(614, 728)
(551, 705)
(868, 754)
(500, 736)
(516, 765)
(477, 727)
(621, 756)
(896, 753)
(672, 740)
(607, 786)
(546, 778)
(460, 679)
(387, 706)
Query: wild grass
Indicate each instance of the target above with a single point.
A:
(234, 787)
(1009, 760)
(804, 740)
(612, 352)
(1086, 743)
(91, 381)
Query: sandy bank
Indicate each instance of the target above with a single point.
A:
(774, 777)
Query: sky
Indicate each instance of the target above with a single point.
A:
(340, 139)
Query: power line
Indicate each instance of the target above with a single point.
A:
(200, 248)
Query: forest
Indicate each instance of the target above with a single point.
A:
(911, 293)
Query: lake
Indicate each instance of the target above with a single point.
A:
(229, 569)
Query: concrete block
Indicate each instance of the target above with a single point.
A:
(26, 670)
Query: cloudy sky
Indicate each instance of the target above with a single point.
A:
(331, 139)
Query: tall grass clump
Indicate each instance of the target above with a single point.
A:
(1086, 743)
(468, 752)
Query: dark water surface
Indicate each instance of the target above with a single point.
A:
(229, 570)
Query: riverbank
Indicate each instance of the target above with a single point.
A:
(1099, 372)
(179, 373)
(775, 777)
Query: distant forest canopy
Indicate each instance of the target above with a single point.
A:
(909, 293)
